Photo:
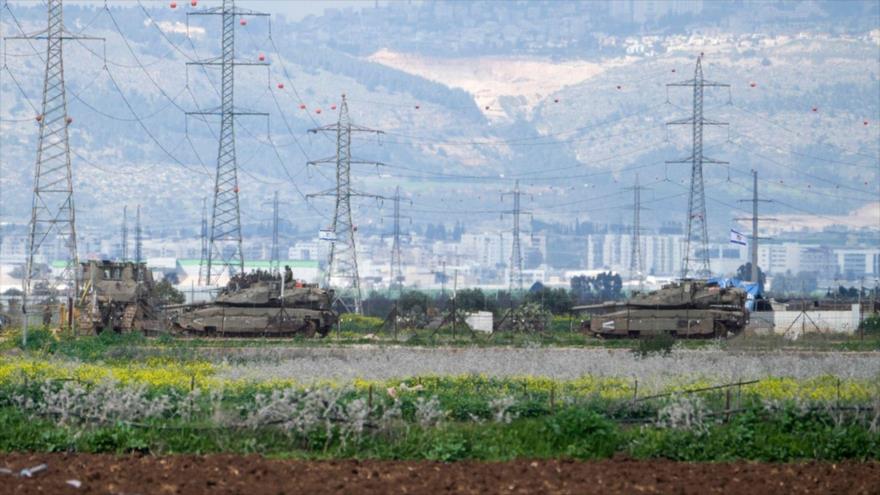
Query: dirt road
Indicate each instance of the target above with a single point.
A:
(253, 475)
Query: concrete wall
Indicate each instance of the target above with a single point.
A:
(793, 323)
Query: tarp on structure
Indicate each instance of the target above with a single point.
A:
(753, 289)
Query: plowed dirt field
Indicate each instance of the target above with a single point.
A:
(254, 475)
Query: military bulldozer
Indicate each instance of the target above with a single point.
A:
(115, 296)
(685, 309)
(258, 307)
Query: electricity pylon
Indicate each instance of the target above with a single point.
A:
(343, 263)
(636, 262)
(395, 271)
(124, 256)
(53, 215)
(515, 277)
(203, 257)
(697, 230)
(225, 252)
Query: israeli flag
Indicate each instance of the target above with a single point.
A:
(737, 238)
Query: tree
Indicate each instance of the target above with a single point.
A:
(470, 300)
(165, 293)
(744, 272)
(557, 301)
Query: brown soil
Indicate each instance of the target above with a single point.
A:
(254, 475)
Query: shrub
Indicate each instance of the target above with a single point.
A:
(660, 343)
(581, 433)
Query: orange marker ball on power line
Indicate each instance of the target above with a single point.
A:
(280, 85)
(302, 106)
(194, 3)
(173, 5)
(332, 107)
(243, 22)
(318, 110)
(262, 57)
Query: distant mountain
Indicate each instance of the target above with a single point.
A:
(568, 98)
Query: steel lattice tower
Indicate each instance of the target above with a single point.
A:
(515, 277)
(343, 263)
(395, 271)
(697, 231)
(53, 215)
(124, 234)
(203, 257)
(636, 262)
(225, 254)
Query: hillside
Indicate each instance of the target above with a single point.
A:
(460, 125)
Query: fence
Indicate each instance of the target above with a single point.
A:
(796, 323)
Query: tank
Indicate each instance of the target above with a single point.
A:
(256, 306)
(115, 295)
(685, 309)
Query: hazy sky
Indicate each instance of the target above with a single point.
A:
(292, 9)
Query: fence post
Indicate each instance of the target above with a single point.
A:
(370, 398)
(838, 393)
(552, 393)
(727, 405)
(636, 390)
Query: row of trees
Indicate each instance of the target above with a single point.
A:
(583, 290)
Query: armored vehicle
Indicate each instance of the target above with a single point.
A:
(685, 309)
(257, 305)
(115, 296)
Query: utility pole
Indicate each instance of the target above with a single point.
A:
(124, 233)
(395, 271)
(274, 254)
(697, 231)
(225, 254)
(515, 279)
(53, 215)
(636, 262)
(203, 257)
(343, 249)
(753, 249)
(138, 238)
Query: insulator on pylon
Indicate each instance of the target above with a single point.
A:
(487, 107)
(673, 70)
(619, 87)
(753, 84)
(235, 189)
(69, 120)
(865, 122)
(815, 109)
(39, 118)
(418, 107)
(555, 100)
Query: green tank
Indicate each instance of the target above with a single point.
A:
(685, 309)
(257, 308)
